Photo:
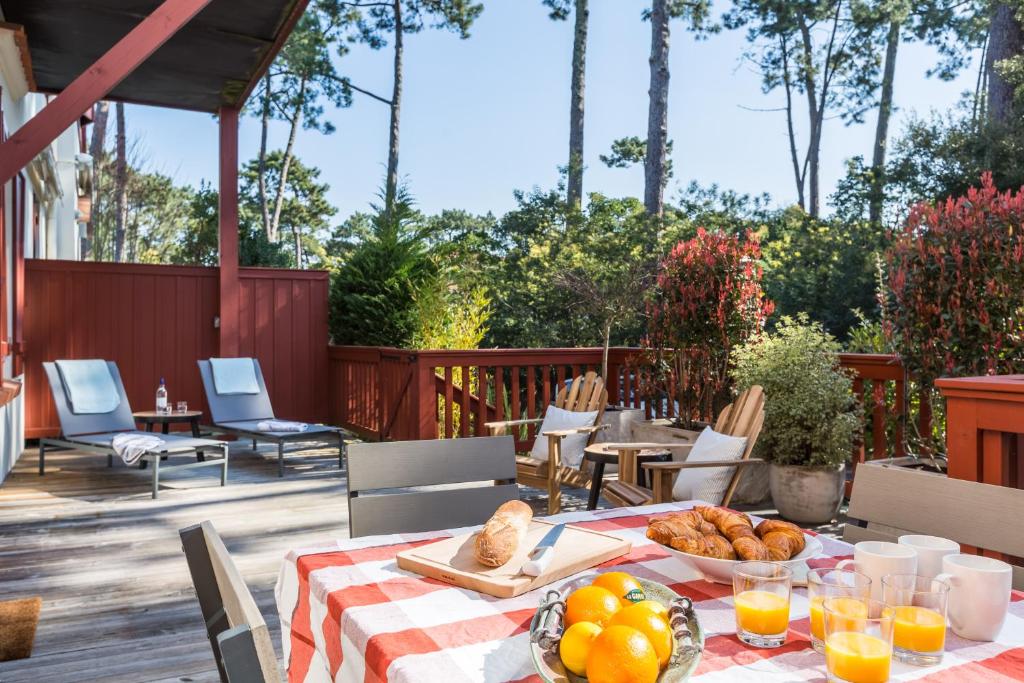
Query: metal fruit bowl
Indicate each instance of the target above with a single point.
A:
(548, 623)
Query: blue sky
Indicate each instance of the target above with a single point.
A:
(489, 115)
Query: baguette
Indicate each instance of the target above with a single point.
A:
(504, 531)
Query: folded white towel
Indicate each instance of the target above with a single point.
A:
(131, 446)
(281, 426)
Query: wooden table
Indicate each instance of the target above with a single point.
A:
(601, 454)
(348, 613)
(165, 420)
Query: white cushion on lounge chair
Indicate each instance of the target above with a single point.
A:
(234, 376)
(89, 387)
(708, 483)
(572, 445)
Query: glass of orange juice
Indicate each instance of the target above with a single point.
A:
(858, 643)
(761, 593)
(833, 583)
(919, 617)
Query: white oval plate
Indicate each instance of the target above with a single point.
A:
(720, 571)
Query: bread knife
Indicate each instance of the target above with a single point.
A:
(541, 556)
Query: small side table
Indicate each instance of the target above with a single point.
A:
(150, 418)
(165, 420)
(600, 454)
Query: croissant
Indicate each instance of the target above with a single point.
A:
(751, 548)
(664, 529)
(730, 524)
(705, 546)
(784, 539)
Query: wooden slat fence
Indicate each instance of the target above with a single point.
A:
(397, 394)
(157, 321)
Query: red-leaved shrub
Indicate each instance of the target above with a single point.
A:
(708, 299)
(954, 302)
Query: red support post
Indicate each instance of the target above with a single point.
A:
(228, 232)
(93, 85)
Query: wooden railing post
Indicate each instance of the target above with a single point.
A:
(423, 397)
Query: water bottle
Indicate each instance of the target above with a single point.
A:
(161, 397)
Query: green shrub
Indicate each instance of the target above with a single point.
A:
(810, 415)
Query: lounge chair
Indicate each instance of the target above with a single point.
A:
(239, 409)
(94, 432)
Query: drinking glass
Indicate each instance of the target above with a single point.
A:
(833, 583)
(761, 594)
(919, 617)
(858, 641)
(182, 406)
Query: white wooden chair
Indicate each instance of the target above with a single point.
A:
(743, 417)
(889, 501)
(241, 643)
(586, 393)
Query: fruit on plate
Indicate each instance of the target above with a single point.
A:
(575, 646)
(625, 587)
(651, 625)
(622, 655)
(657, 608)
(611, 638)
(591, 603)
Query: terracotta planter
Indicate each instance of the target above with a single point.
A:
(807, 495)
(753, 487)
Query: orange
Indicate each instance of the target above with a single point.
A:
(574, 648)
(622, 655)
(590, 603)
(626, 588)
(657, 608)
(651, 625)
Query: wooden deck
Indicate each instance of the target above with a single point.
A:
(118, 603)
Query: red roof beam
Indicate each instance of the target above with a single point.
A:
(93, 85)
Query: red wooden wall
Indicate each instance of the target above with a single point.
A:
(157, 321)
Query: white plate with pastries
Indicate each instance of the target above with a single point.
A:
(719, 570)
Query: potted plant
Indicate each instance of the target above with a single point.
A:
(811, 418)
(707, 300)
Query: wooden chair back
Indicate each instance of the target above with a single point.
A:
(386, 483)
(585, 393)
(241, 643)
(743, 417)
(889, 501)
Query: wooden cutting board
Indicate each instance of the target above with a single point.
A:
(452, 560)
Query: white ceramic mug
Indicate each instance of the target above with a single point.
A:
(979, 595)
(878, 558)
(930, 551)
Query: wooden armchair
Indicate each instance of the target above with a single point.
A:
(586, 393)
(743, 417)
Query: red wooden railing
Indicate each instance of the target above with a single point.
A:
(387, 393)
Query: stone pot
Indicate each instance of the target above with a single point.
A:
(807, 495)
(753, 486)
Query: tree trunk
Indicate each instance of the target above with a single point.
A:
(121, 184)
(815, 115)
(574, 194)
(297, 234)
(604, 352)
(798, 176)
(96, 145)
(1005, 40)
(286, 163)
(391, 184)
(657, 114)
(882, 128)
(262, 172)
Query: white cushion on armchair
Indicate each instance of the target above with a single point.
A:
(708, 483)
(572, 445)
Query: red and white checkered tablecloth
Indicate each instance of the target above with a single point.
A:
(349, 614)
